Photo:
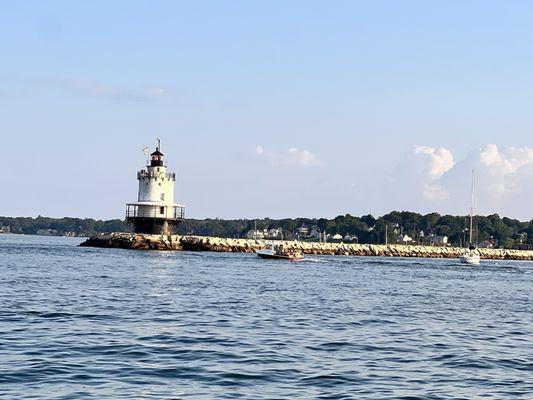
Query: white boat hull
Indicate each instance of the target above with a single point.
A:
(265, 252)
(272, 255)
(470, 258)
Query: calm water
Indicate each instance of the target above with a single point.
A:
(104, 323)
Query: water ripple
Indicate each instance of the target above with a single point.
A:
(81, 323)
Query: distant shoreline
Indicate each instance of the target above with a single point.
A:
(394, 227)
(43, 235)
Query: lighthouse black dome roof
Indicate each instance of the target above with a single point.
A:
(156, 158)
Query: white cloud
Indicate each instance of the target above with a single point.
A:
(490, 155)
(422, 170)
(504, 168)
(438, 161)
(303, 157)
(507, 162)
(430, 179)
(293, 156)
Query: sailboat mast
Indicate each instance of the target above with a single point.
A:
(471, 231)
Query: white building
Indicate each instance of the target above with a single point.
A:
(404, 239)
(155, 211)
(256, 234)
(274, 233)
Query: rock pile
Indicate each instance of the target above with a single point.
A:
(134, 241)
(205, 243)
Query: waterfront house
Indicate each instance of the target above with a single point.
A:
(275, 233)
(404, 239)
(486, 244)
(256, 234)
(303, 232)
(315, 233)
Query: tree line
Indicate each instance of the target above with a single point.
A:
(503, 232)
(61, 226)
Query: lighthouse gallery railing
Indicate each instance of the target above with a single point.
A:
(154, 211)
(147, 174)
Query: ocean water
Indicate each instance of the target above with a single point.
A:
(83, 323)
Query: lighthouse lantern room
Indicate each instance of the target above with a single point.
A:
(155, 211)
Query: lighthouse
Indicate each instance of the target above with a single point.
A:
(155, 211)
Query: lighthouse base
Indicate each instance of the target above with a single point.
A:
(154, 226)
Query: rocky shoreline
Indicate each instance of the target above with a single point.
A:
(205, 243)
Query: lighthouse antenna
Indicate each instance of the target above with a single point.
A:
(158, 144)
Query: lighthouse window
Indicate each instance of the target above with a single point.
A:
(162, 196)
(161, 210)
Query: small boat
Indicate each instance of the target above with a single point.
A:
(471, 255)
(278, 252)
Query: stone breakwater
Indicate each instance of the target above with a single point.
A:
(205, 243)
(135, 241)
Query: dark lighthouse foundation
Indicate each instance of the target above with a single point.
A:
(146, 219)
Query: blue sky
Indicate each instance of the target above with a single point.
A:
(281, 109)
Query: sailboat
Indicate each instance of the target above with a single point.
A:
(471, 255)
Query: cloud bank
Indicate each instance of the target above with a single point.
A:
(293, 156)
(430, 178)
(26, 86)
(438, 161)
(111, 92)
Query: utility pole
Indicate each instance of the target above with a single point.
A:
(386, 233)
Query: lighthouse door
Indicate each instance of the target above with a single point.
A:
(161, 210)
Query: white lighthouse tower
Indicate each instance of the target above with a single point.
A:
(155, 211)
